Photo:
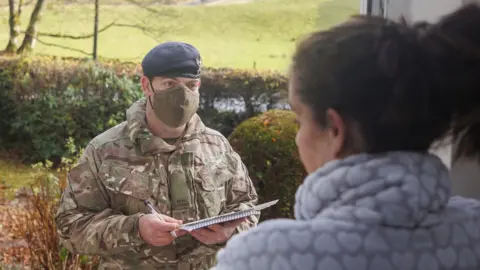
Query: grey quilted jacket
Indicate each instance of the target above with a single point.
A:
(367, 212)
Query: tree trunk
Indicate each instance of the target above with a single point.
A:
(14, 26)
(95, 32)
(19, 11)
(31, 33)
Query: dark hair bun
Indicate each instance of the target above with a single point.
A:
(447, 55)
(453, 45)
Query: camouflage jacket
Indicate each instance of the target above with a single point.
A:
(197, 177)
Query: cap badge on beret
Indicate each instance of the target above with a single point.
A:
(199, 63)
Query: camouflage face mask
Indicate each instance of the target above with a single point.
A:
(175, 106)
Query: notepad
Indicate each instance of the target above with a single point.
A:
(191, 226)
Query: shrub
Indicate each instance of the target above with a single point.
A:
(266, 144)
(54, 101)
(30, 224)
(45, 101)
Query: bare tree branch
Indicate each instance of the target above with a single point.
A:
(152, 10)
(57, 35)
(155, 32)
(131, 26)
(62, 47)
(145, 30)
(20, 5)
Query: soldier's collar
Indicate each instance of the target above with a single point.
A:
(154, 145)
(136, 122)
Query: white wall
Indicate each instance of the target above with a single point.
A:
(432, 10)
(398, 8)
(415, 10)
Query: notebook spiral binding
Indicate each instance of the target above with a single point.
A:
(220, 219)
(225, 217)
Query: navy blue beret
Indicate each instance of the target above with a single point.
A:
(172, 59)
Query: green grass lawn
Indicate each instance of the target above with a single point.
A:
(14, 175)
(263, 32)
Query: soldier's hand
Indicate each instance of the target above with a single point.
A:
(156, 232)
(217, 233)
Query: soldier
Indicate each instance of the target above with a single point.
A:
(162, 154)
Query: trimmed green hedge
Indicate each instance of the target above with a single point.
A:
(266, 144)
(49, 105)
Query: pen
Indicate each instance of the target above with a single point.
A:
(150, 207)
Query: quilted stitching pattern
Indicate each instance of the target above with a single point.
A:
(366, 212)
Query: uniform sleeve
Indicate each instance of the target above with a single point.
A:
(241, 193)
(85, 221)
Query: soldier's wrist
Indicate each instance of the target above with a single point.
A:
(136, 230)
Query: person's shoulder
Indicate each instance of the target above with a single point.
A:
(317, 227)
(213, 136)
(215, 143)
(265, 239)
(274, 243)
(113, 134)
(460, 208)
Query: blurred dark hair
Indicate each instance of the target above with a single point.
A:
(405, 86)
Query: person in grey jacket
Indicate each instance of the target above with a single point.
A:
(371, 96)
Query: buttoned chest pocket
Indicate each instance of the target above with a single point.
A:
(129, 188)
(211, 179)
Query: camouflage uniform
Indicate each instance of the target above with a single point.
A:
(126, 165)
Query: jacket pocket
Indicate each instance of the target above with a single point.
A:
(129, 188)
(210, 181)
(85, 192)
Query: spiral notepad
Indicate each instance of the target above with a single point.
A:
(225, 217)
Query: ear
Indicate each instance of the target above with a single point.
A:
(337, 131)
(145, 82)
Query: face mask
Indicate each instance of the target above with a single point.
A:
(175, 106)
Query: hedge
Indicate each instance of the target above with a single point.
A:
(46, 102)
(266, 144)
